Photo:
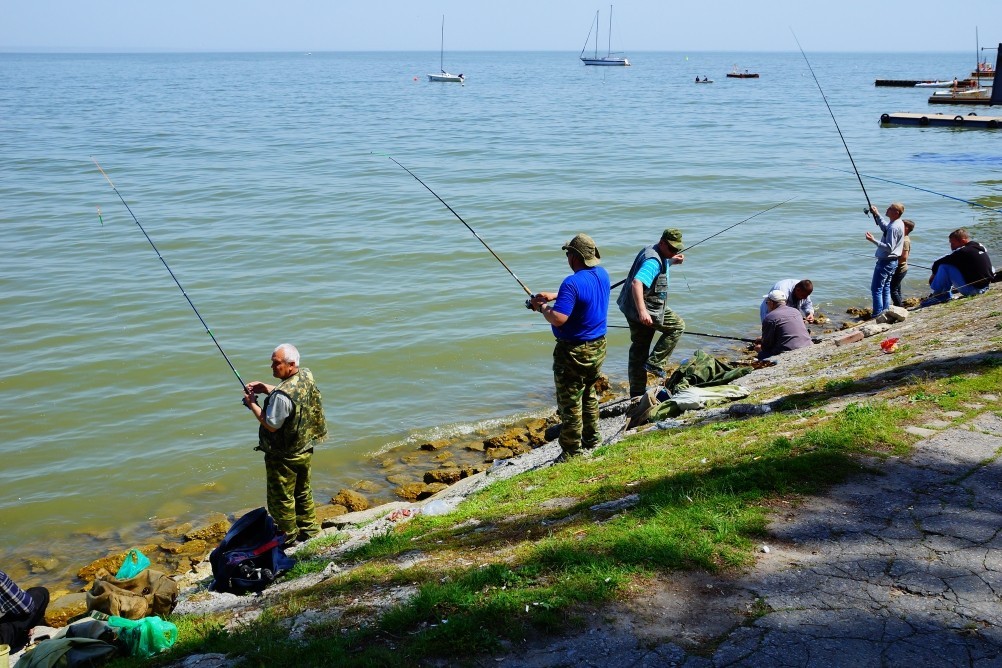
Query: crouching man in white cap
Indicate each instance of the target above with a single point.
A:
(783, 328)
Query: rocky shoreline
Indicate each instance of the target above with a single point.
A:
(431, 470)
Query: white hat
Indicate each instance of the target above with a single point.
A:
(777, 296)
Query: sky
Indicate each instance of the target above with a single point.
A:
(495, 25)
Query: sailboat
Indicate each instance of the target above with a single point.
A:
(608, 58)
(443, 75)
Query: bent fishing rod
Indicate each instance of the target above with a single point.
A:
(869, 206)
(192, 305)
(925, 190)
(616, 285)
(453, 211)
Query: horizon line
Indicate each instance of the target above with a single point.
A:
(168, 51)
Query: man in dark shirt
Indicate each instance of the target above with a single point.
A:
(20, 611)
(783, 328)
(968, 269)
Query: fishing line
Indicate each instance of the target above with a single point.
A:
(527, 290)
(683, 278)
(869, 206)
(717, 234)
(688, 248)
(909, 263)
(925, 190)
(207, 330)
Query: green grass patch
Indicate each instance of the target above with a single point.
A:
(528, 555)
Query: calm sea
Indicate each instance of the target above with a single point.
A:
(260, 179)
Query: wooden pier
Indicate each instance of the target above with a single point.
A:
(972, 120)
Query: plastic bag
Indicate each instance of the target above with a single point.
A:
(135, 562)
(145, 637)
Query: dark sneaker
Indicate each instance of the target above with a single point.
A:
(305, 536)
(655, 371)
(932, 300)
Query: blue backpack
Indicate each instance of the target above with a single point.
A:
(250, 556)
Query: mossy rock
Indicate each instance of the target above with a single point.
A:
(351, 500)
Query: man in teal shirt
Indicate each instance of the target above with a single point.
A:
(643, 301)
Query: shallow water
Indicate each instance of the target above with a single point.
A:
(259, 178)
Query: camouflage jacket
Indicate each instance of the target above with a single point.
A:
(305, 426)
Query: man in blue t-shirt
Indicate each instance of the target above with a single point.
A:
(578, 320)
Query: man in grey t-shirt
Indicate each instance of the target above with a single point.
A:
(783, 329)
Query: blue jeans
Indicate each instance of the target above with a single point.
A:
(947, 277)
(880, 286)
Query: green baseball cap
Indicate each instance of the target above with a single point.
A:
(672, 236)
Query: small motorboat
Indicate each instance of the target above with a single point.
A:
(954, 83)
(703, 80)
(735, 74)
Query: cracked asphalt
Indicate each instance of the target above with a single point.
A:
(900, 567)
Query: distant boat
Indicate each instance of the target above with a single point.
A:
(985, 95)
(984, 69)
(703, 80)
(608, 58)
(963, 83)
(444, 76)
(958, 96)
(963, 93)
(735, 74)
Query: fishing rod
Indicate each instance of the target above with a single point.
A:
(869, 206)
(949, 291)
(836, 250)
(527, 290)
(207, 330)
(925, 190)
(712, 336)
(719, 233)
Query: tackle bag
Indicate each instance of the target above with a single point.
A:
(150, 592)
(87, 643)
(250, 556)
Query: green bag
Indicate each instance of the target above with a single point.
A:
(135, 562)
(145, 637)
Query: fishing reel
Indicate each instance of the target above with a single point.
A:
(528, 304)
(249, 572)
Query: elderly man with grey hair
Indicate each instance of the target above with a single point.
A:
(291, 422)
(783, 328)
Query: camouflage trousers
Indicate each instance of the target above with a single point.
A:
(290, 499)
(576, 369)
(641, 354)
